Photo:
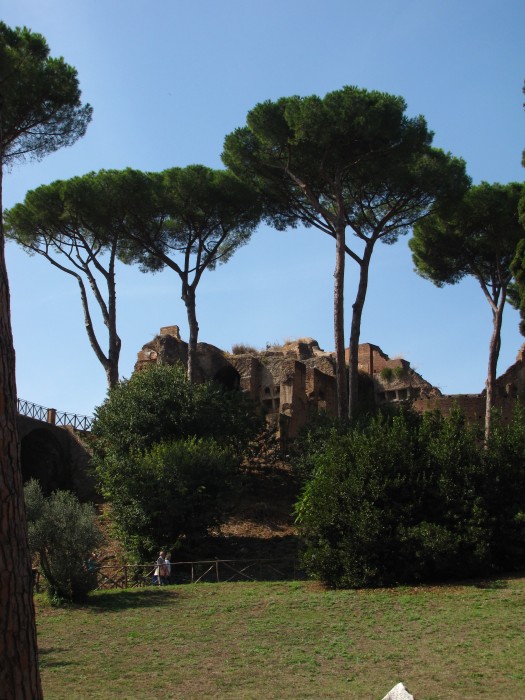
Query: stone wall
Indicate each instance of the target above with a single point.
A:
(292, 380)
(56, 457)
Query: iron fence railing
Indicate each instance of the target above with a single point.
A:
(54, 417)
(33, 410)
(211, 571)
(73, 420)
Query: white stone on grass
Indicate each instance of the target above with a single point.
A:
(398, 692)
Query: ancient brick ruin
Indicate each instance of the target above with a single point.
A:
(296, 378)
(509, 386)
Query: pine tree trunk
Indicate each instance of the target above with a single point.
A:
(115, 343)
(189, 300)
(355, 332)
(339, 330)
(19, 675)
(494, 349)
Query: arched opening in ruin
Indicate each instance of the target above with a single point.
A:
(228, 377)
(42, 458)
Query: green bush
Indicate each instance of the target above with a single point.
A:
(318, 431)
(398, 371)
(160, 404)
(505, 490)
(173, 489)
(165, 452)
(413, 498)
(62, 533)
(387, 374)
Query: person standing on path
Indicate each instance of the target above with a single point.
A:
(159, 570)
(167, 569)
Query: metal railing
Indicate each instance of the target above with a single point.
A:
(208, 571)
(73, 420)
(26, 408)
(54, 417)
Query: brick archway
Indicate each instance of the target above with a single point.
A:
(43, 458)
(228, 377)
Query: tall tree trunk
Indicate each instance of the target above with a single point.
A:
(188, 297)
(494, 348)
(114, 342)
(112, 371)
(339, 328)
(19, 675)
(355, 330)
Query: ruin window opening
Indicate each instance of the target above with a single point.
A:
(43, 458)
(228, 377)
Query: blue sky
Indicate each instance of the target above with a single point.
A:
(168, 80)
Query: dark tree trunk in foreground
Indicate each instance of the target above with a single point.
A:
(19, 675)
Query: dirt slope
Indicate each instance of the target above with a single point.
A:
(259, 524)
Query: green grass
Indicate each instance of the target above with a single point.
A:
(287, 641)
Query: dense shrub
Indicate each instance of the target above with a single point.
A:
(505, 490)
(411, 498)
(62, 533)
(175, 488)
(160, 404)
(166, 451)
(319, 430)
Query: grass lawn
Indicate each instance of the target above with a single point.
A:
(289, 640)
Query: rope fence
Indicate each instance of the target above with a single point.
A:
(212, 571)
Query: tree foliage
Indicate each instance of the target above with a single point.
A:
(477, 238)
(518, 270)
(160, 404)
(40, 98)
(76, 225)
(63, 533)
(174, 489)
(189, 220)
(352, 159)
(166, 453)
(415, 498)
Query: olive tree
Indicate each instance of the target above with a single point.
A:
(62, 533)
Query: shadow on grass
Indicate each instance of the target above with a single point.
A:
(495, 585)
(118, 599)
(47, 663)
(497, 582)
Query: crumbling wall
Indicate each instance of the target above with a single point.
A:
(472, 405)
(56, 456)
(297, 377)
